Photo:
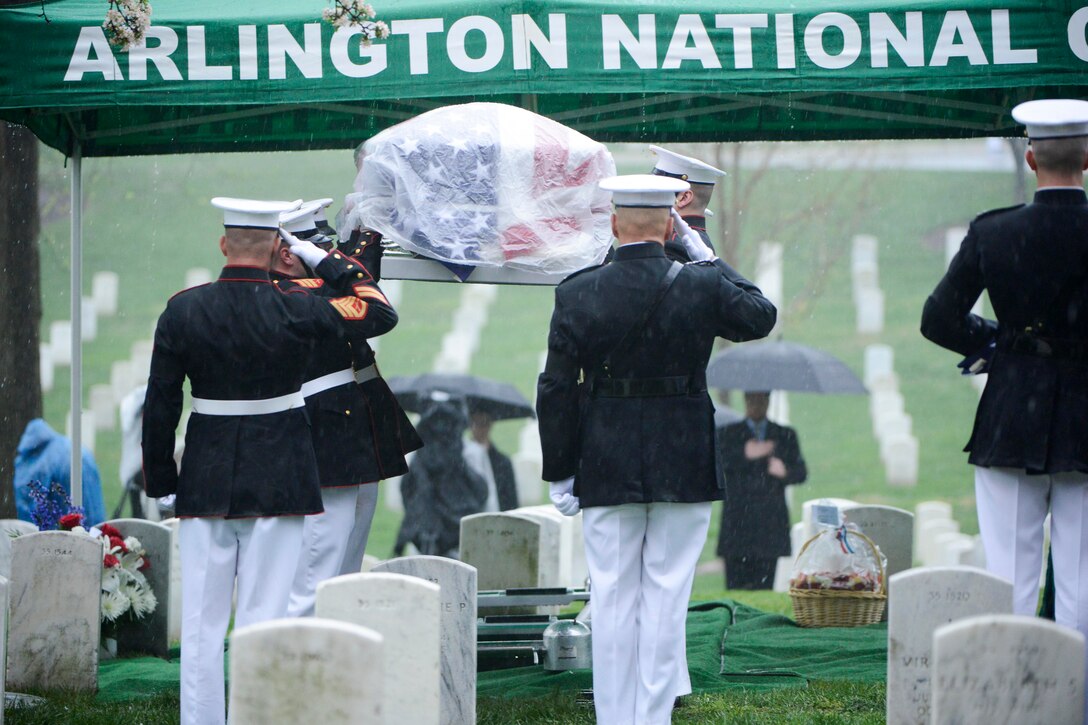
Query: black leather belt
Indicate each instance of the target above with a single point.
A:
(1045, 347)
(646, 387)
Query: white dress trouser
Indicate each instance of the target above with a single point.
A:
(1011, 508)
(324, 540)
(365, 506)
(642, 561)
(263, 554)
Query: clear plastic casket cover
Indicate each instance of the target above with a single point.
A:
(486, 184)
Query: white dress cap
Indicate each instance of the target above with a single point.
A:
(644, 190)
(301, 219)
(670, 163)
(1053, 118)
(319, 215)
(252, 213)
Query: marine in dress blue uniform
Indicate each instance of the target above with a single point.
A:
(344, 426)
(1029, 443)
(248, 475)
(632, 445)
(691, 205)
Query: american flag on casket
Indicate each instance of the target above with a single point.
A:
(487, 184)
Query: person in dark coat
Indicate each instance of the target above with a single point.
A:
(759, 459)
(633, 446)
(1029, 444)
(440, 487)
(492, 464)
(690, 205)
(248, 475)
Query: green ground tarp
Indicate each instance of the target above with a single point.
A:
(729, 646)
(271, 75)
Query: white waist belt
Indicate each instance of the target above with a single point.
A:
(368, 373)
(332, 380)
(206, 406)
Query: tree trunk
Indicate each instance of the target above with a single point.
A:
(20, 299)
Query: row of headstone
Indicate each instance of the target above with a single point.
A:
(396, 645)
(469, 320)
(865, 283)
(58, 350)
(892, 427)
(953, 238)
(938, 540)
(956, 654)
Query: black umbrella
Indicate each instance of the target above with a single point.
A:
(781, 365)
(499, 400)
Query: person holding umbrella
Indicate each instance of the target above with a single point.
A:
(759, 459)
(633, 445)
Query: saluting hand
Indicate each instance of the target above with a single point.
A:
(754, 449)
(304, 249)
(694, 245)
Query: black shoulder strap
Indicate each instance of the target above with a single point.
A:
(632, 334)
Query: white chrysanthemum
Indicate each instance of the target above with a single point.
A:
(114, 604)
(111, 580)
(143, 602)
(133, 544)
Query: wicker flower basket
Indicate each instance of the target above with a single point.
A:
(839, 608)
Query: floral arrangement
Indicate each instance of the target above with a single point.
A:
(356, 13)
(125, 589)
(49, 505)
(126, 22)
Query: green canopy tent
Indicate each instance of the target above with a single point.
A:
(244, 76)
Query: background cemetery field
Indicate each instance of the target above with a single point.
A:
(148, 219)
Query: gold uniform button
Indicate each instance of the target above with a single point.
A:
(347, 412)
(336, 256)
(359, 275)
(357, 251)
(351, 266)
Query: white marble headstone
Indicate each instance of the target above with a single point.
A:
(5, 587)
(925, 543)
(1008, 669)
(53, 630)
(60, 341)
(901, 461)
(104, 292)
(528, 468)
(870, 311)
(920, 601)
(457, 582)
(104, 407)
(405, 611)
(879, 362)
(88, 321)
(173, 610)
(504, 548)
(9, 529)
(45, 366)
(306, 671)
(930, 511)
(890, 528)
(555, 544)
(151, 635)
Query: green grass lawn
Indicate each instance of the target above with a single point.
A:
(149, 220)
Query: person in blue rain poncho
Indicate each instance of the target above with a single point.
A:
(45, 456)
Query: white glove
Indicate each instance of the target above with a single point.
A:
(562, 495)
(694, 245)
(304, 249)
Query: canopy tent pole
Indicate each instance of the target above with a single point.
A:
(76, 397)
